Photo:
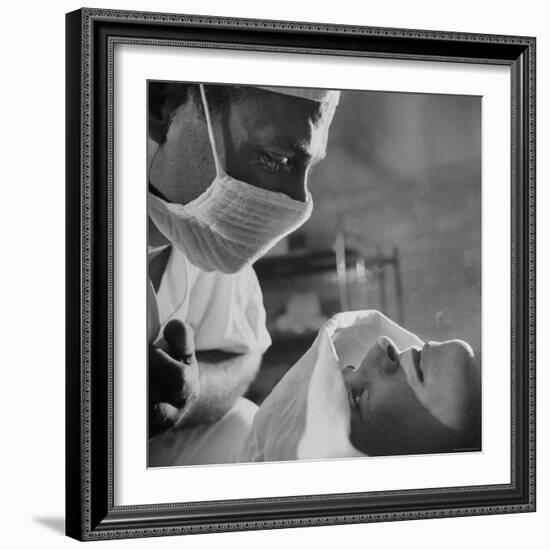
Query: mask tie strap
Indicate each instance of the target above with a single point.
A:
(219, 169)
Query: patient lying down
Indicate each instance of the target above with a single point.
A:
(421, 400)
(365, 387)
(369, 387)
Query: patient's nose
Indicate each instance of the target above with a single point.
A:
(382, 356)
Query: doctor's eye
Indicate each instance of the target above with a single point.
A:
(274, 163)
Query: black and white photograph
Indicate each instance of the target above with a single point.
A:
(300, 275)
(314, 277)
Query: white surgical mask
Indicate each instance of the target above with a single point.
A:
(232, 223)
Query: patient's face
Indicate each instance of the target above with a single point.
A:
(418, 401)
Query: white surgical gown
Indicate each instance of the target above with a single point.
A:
(226, 313)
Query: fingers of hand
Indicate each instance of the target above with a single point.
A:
(166, 377)
(164, 414)
(180, 339)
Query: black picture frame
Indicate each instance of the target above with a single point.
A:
(90, 512)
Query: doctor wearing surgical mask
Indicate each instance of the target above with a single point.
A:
(227, 180)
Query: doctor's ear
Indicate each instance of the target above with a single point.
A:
(163, 100)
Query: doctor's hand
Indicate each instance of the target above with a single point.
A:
(173, 378)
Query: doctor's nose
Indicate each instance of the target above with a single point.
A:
(295, 186)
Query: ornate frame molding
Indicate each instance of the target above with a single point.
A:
(91, 37)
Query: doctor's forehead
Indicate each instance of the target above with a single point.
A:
(270, 104)
(278, 120)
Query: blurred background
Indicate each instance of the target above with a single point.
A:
(396, 227)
